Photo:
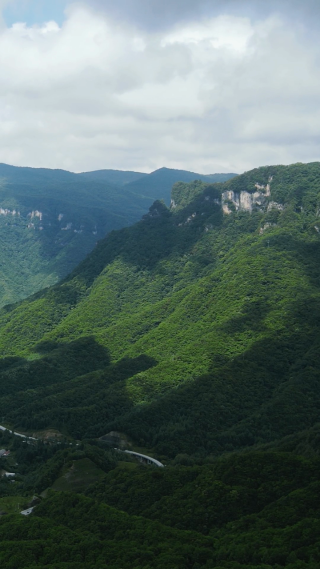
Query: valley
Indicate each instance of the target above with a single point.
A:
(51, 219)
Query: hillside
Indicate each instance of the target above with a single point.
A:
(179, 517)
(194, 334)
(217, 304)
(158, 184)
(119, 177)
(51, 219)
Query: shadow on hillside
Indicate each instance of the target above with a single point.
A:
(75, 398)
(59, 363)
(306, 253)
(268, 392)
(252, 318)
(61, 220)
(10, 362)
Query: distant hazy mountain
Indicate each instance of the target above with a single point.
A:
(158, 184)
(120, 177)
(51, 219)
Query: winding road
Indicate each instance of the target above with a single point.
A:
(17, 434)
(141, 457)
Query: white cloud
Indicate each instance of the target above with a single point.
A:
(224, 94)
(221, 32)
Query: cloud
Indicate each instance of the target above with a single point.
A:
(157, 14)
(222, 94)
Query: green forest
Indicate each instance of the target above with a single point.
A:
(51, 219)
(193, 337)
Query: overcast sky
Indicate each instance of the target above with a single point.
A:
(203, 85)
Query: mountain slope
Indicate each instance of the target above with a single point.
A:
(158, 184)
(50, 220)
(194, 333)
(259, 510)
(222, 307)
(119, 177)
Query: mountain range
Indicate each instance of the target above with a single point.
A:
(191, 336)
(51, 219)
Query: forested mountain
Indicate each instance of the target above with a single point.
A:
(158, 184)
(218, 305)
(50, 220)
(119, 177)
(194, 335)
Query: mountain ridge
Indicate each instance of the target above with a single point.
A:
(174, 278)
(50, 219)
(192, 335)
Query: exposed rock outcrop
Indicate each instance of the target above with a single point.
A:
(245, 200)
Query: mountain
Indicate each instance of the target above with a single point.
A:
(119, 177)
(192, 336)
(158, 184)
(50, 220)
(217, 298)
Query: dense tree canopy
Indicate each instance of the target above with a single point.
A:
(194, 336)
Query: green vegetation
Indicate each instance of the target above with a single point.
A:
(158, 184)
(118, 177)
(196, 335)
(77, 477)
(51, 219)
(224, 316)
(254, 510)
(12, 504)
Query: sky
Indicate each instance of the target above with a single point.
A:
(202, 85)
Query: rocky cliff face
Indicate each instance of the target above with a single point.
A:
(254, 196)
(246, 200)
